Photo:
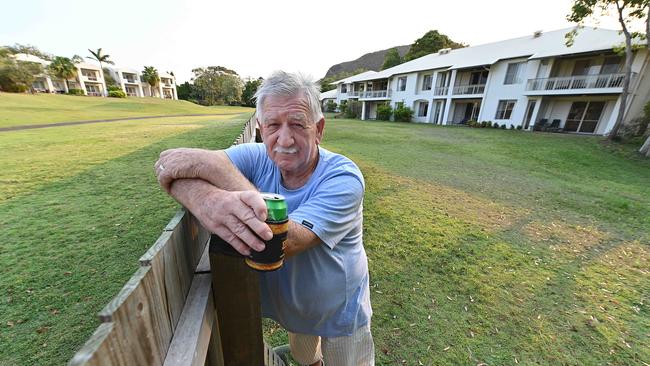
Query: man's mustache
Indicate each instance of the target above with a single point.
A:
(285, 150)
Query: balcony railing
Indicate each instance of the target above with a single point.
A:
(469, 89)
(91, 77)
(354, 93)
(132, 81)
(577, 82)
(375, 94)
(441, 90)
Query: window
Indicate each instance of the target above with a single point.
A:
(422, 109)
(344, 88)
(401, 83)
(427, 81)
(504, 110)
(514, 74)
(611, 65)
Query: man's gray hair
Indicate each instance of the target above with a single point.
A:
(286, 84)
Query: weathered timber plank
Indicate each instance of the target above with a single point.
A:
(102, 348)
(174, 258)
(271, 358)
(192, 337)
(237, 301)
(141, 323)
(215, 351)
(204, 263)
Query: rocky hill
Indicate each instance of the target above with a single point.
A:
(369, 61)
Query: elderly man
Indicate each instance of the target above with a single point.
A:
(321, 294)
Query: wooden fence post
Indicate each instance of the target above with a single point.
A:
(236, 290)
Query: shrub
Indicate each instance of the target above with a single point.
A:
(343, 107)
(330, 106)
(483, 124)
(495, 125)
(512, 127)
(353, 109)
(76, 92)
(117, 94)
(114, 88)
(520, 127)
(403, 114)
(488, 124)
(503, 126)
(384, 112)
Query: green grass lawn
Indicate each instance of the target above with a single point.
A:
(501, 247)
(27, 109)
(78, 206)
(485, 246)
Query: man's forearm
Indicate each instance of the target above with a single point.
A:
(222, 173)
(191, 192)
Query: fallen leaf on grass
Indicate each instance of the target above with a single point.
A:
(42, 330)
(447, 348)
(10, 324)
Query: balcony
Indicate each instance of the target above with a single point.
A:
(131, 81)
(375, 94)
(470, 89)
(354, 94)
(570, 83)
(441, 90)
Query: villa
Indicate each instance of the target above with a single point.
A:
(90, 79)
(526, 81)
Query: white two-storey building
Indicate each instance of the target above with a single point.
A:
(90, 79)
(524, 81)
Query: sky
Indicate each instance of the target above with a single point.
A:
(255, 37)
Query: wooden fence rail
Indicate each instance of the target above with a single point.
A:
(175, 310)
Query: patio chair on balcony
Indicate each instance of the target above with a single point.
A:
(554, 126)
(541, 125)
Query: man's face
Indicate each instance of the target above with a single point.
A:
(290, 134)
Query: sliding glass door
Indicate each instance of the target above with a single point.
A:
(584, 116)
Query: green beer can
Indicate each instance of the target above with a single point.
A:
(272, 257)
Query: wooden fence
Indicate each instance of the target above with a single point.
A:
(185, 305)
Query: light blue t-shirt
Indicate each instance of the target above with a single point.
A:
(324, 290)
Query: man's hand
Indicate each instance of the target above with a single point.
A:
(237, 217)
(182, 163)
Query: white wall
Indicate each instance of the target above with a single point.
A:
(496, 90)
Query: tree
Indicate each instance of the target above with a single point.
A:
(63, 68)
(217, 85)
(391, 59)
(29, 50)
(186, 91)
(430, 42)
(250, 88)
(16, 76)
(108, 78)
(627, 11)
(100, 57)
(325, 83)
(151, 77)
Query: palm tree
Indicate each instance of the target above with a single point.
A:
(63, 68)
(150, 76)
(100, 57)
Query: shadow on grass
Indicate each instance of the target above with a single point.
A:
(70, 245)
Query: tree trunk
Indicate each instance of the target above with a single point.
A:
(645, 149)
(626, 79)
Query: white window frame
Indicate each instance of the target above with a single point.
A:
(422, 113)
(514, 73)
(401, 83)
(505, 108)
(425, 85)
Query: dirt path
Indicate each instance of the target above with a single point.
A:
(59, 124)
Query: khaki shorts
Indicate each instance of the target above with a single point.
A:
(357, 349)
